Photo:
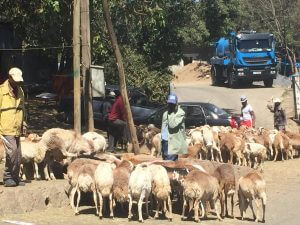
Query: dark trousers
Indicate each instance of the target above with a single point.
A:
(117, 129)
(13, 158)
(164, 150)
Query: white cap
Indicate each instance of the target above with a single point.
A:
(243, 98)
(277, 100)
(16, 74)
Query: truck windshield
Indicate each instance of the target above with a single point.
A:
(254, 45)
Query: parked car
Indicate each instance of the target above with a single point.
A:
(141, 106)
(197, 114)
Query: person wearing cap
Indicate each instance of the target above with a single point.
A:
(279, 114)
(247, 113)
(12, 114)
(173, 130)
(117, 122)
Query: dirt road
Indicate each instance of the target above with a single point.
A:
(283, 182)
(227, 98)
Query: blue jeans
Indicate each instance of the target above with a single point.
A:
(164, 150)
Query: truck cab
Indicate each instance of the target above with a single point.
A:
(244, 58)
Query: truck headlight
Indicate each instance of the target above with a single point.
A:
(273, 72)
(241, 74)
(240, 69)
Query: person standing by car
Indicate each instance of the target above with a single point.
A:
(173, 130)
(279, 115)
(12, 111)
(247, 113)
(117, 122)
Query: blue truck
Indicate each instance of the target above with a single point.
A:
(243, 58)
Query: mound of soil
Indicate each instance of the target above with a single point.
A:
(193, 72)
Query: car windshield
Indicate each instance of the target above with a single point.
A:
(254, 45)
(216, 110)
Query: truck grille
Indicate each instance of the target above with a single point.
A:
(258, 60)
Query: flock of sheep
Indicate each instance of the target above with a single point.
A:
(197, 184)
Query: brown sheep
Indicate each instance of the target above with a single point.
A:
(252, 186)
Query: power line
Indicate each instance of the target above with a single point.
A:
(36, 48)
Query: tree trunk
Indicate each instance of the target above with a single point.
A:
(86, 64)
(76, 66)
(123, 88)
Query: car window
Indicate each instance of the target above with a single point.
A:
(208, 114)
(195, 111)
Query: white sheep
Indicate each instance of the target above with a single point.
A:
(255, 152)
(31, 153)
(72, 175)
(161, 189)
(156, 145)
(86, 183)
(98, 141)
(104, 182)
(139, 189)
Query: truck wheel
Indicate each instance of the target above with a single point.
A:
(268, 83)
(231, 81)
(216, 73)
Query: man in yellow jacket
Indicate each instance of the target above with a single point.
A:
(11, 121)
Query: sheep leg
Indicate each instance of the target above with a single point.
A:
(226, 208)
(129, 207)
(157, 209)
(231, 157)
(140, 204)
(276, 153)
(147, 204)
(251, 207)
(96, 201)
(264, 207)
(46, 164)
(183, 207)
(215, 206)
(170, 213)
(196, 210)
(100, 204)
(202, 210)
(37, 176)
(78, 200)
(111, 206)
(222, 203)
(242, 205)
(232, 205)
(72, 195)
(22, 171)
(257, 209)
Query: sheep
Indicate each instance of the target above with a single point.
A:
(104, 182)
(226, 177)
(99, 142)
(233, 145)
(196, 136)
(156, 145)
(194, 151)
(255, 152)
(161, 189)
(139, 189)
(209, 142)
(282, 143)
(121, 181)
(72, 175)
(31, 152)
(59, 144)
(86, 183)
(252, 186)
(200, 186)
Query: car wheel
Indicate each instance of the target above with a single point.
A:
(268, 83)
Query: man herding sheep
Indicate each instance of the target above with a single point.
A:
(173, 130)
(12, 111)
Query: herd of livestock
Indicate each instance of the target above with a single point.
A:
(206, 174)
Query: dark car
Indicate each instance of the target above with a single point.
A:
(141, 106)
(197, 114)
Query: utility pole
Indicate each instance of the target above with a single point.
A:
(123, 88)
(76, 65)
(86, 63)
